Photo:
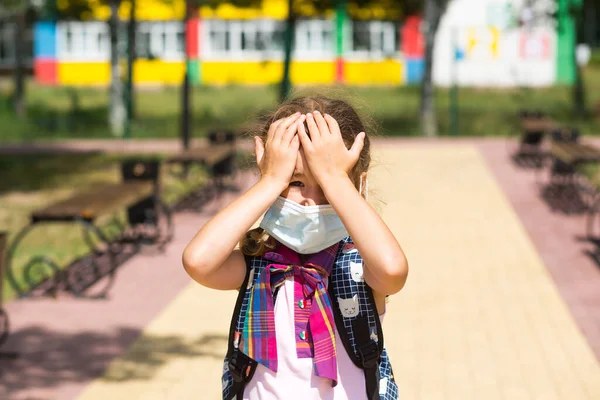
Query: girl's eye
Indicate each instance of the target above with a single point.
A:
(297, 183)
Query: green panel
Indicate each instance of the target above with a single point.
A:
(565, 44)
(194, 71)
(340, 22)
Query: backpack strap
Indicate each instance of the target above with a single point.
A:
(368, 354)
(241, 367)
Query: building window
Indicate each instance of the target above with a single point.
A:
(373, 40)
(314, 39)
(83, 41)
(243, 40)
(90, 41)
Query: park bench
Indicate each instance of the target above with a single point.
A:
(218, 158)
(148, 224)
(534, 125)
(569, 190)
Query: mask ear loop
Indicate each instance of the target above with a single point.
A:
(365, 195)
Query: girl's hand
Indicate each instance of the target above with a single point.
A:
(325, 151)
(276, 158)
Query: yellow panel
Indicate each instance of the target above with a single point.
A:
(158, 10)
(266, 72)
(170, 73)
(161, 10)
(313, 72)
(374, 72)
(223, 72)
(84, 73)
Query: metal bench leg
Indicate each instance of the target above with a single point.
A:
(88, 271)
(4, 325)
(151, 220)
(34, 267)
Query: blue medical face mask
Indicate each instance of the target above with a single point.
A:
(304, 229)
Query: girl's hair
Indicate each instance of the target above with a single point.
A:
(256, 242)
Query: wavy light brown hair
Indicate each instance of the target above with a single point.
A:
(256, 242)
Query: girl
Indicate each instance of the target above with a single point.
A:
(317, 271)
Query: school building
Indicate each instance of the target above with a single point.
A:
(479, 43)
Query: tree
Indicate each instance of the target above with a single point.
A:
(117, 112)
(568, 17)
(433, 12)
(18, 11)
(288, 45)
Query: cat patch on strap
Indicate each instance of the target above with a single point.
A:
(383, 386)
(349, 307)
(356, 270)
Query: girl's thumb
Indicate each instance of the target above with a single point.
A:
(259, 149)
(357, 146)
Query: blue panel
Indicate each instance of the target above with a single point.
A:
(44, 40)
(414, 70)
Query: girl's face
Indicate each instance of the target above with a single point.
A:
(303, 188)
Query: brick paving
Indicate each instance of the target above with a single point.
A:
(480, 318)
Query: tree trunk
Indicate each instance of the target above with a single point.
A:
(288, 46)
(19, 72)
(131, 57)
(428, 114)
(185, 86)
(117, 112)
(579, 95)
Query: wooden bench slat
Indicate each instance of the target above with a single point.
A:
(538, 125)
(575, 152)
(219, 154)
(92, 203)
(206, 155)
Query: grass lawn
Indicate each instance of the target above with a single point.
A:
(67, 112)
(33, 181)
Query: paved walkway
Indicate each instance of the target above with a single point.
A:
(480, 317)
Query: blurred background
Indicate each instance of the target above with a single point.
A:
(123, 130)
(102, 69)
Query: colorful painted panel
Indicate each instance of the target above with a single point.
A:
(414, 70)
(45, 71)
(374, 72)
(44, 40)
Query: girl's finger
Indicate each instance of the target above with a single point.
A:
(357, 146)
(295, 144)
(303, 136)
(272, 129)
(321, 124)
(259, 149)
(291, 131)
(315, 135)
(282, 127)
(334, 128)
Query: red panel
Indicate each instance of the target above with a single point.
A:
(413, 42)
(192, 38)
(339, 70)
(46, 71)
